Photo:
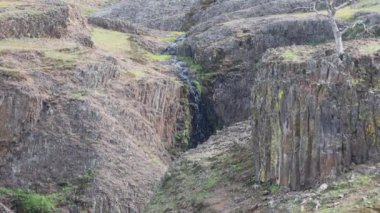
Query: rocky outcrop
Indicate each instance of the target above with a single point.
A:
(115, 24)
(95, 75)
(162, 15)
(230, 52)
(314, 117)
(66, 121)
(212, 12)
(41, 19)
(19, 109)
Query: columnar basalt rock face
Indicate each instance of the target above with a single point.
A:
(162, 15)
(230, 53)
(312, 119)
(212, 12)
(119, 128)
(19, 112)
(40, 19)
(67, 110)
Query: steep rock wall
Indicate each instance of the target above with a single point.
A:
(162, 15)
(61, 123)
(230, 52)
(43, 19)
(313, 118)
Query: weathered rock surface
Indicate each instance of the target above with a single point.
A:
(40, 19)
(230, 54)
(69, 112)
(217, 176)
(314, 117)
(162, 15)
(98, 121)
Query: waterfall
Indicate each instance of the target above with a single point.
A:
(200, 130)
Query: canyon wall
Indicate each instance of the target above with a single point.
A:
(314, 117)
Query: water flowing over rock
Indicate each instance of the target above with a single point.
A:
(200, 128)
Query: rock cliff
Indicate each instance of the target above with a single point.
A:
(314, 116)
(96, 125)
(99, 101)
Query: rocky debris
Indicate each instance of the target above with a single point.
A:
(323, 187)
(162, 15)
(211, 177)
(314, 117)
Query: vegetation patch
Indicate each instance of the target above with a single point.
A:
(111, 41)
(341, 189)
(135, 73)
(78, 94)
(369, 49)
(121, 44)
(192, 181)
(173, 36)
(348, 13)
(12, 73)
(38, 44)
(64, 55)
(198, 86)
(297, 54)
(157, 57)
(31, 202)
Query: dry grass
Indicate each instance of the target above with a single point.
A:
(369, 48)
(299, 53)
(348, 13)
(39, 44)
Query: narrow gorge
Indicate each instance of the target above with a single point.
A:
(128, 106)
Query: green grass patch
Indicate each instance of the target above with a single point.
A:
(341, 189)
(193, 66)
(289, 55)
(173, 36)
(135, 73)
(31, 202)
(299, 54)
(87, 11)
(120, 44)
(157, 57)
(78, 94)
(348, 13)
(369, 49)
(198, 86)
(111, 41)
(65, 55)
(273, 188)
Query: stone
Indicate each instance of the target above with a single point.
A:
(323, 187)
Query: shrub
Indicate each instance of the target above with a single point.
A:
(31, 202)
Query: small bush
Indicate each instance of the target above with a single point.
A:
(31, 202)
